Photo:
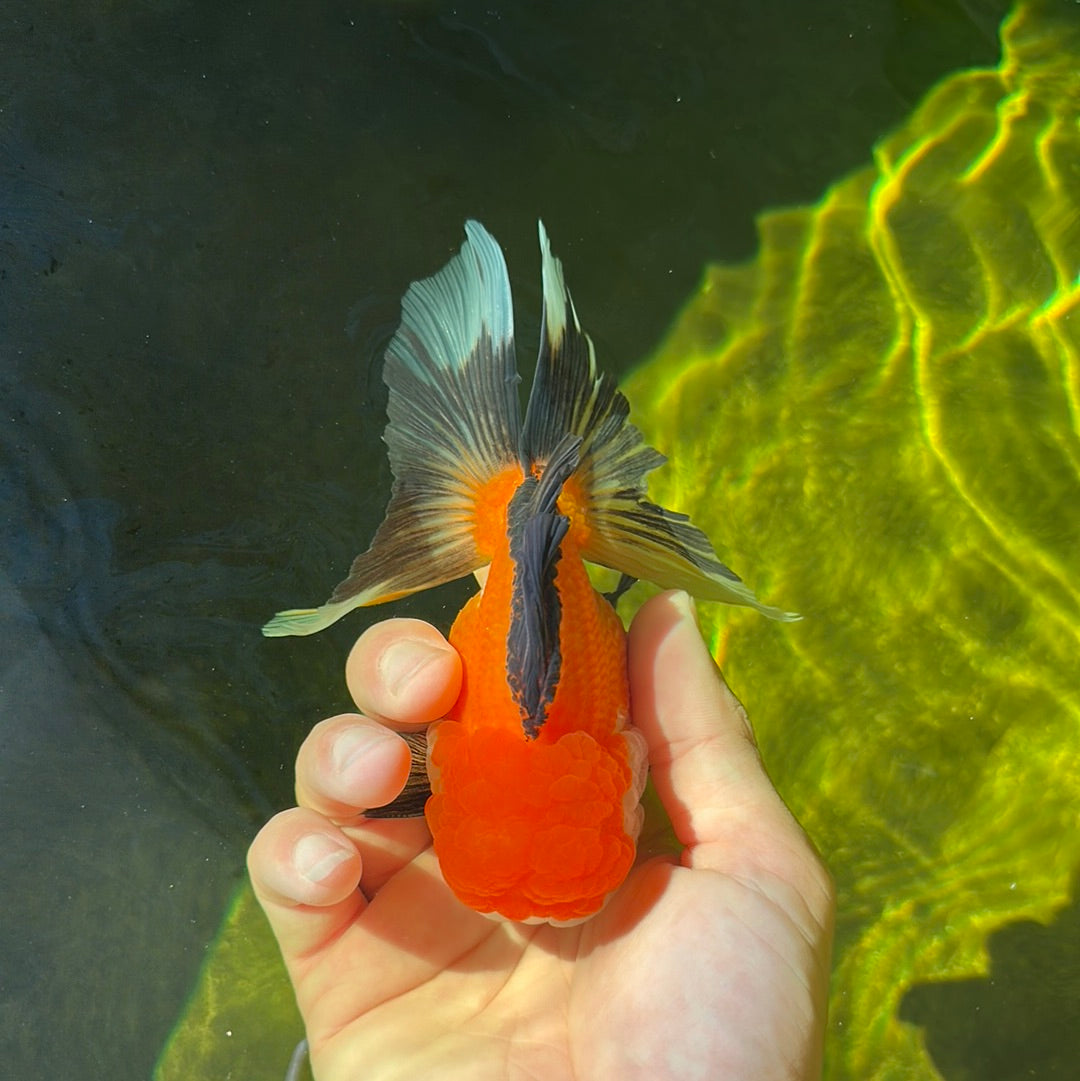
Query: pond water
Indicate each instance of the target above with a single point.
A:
(208, 215)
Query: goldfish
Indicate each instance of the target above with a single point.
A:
(536, 774)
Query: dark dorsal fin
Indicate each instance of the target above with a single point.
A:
(537, 530)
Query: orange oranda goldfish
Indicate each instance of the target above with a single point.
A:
(536, 774)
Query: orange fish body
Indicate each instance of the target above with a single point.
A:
(536, 773)
(543, 828)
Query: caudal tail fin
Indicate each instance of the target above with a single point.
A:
(627, 532)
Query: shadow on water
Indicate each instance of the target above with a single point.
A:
(208, 214)
(1022, 1020)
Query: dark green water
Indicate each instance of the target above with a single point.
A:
(208, 215)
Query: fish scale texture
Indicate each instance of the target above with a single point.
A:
(535, 828)
(526, 829)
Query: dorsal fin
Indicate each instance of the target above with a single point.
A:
(537, 530)
(454, 423)
(626, 531)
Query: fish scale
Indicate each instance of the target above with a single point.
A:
(529, 864)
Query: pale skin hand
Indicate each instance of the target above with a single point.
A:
(712, 965)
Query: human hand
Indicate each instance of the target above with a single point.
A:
(709, 965)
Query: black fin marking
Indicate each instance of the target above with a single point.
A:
(537, 529)
(622, 586)
(454, 423)
(628, 533)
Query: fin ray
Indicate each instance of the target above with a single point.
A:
(627, 532)
(454, 422)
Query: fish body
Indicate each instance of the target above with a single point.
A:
(541, 827)
(536, 773)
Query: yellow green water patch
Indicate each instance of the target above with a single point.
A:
(242, 1022)
(878, 419)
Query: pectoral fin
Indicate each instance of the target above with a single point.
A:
(641, 539)
(454, 422)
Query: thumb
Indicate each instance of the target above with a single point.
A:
(705, 763)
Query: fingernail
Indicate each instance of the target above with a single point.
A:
(403, 661)
(353, 744)
(685, 603)
(316, 855)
